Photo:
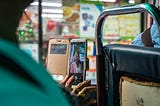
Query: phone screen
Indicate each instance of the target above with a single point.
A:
(77, 60)
(58, 48)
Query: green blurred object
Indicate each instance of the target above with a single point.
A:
(127, 37)
(25, 82)
(25, 32)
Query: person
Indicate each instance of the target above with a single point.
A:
(24, 82)
(148, 38)
(76, 65)
(82, 91)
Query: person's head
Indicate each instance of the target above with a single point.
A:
(10, 14)
(76, 56)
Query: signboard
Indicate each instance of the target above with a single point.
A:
(88, 16)
(30, 49)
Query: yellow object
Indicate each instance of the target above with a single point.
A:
(67, 11)
(81, 94)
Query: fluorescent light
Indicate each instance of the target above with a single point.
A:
(108, 0)
(53, 15)
(48, 4)
(52, 11)
(34, 3)
(131, 1)
(52, 4)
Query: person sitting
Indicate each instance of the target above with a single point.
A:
(149, 38)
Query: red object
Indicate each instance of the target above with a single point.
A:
(51, 25)
(70, 36)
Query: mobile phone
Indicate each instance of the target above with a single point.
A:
(77, 59)
(57, 58)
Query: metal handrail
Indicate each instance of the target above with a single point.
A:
(151, 9)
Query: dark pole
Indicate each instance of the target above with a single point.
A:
(40, 32)
(143, 19)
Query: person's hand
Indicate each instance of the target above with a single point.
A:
(67, 82)
(81, 90)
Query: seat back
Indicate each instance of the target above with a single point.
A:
(137, 63)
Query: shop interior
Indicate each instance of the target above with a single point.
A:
(70, 19)
(80, 53)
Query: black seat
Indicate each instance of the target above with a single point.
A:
(119, 66)
(137, 63)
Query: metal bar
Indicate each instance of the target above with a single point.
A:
(40, 37)
(101, 96)
(151, 9)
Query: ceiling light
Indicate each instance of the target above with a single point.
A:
(48, 4)
(53, 15)
(131, 1)
(52, 11)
